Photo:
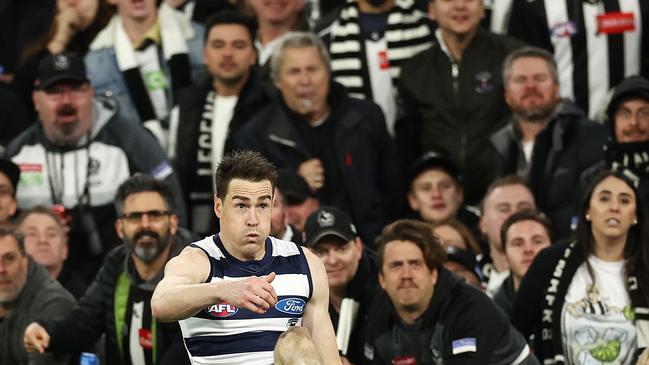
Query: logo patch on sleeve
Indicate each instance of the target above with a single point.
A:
(463, 345)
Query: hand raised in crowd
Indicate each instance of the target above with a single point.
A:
(66, 27)
(36, 338)
(313, 172)
(255, 293)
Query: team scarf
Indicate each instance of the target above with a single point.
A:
(408, 33)
(173, 34)
(554, 298)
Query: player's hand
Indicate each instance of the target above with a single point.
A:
(313, 172)
(255, 294)
(36, 338)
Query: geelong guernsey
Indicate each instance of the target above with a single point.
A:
(224, 334)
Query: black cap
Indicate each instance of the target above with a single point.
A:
(631, 87)
(430, 160)
(11, 170)
(328, 221)
(60, 67)
(462, 257)
(293, 186)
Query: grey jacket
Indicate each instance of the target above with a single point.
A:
(41, 297)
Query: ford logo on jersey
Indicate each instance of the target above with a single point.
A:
(222, 310)
(291, 306)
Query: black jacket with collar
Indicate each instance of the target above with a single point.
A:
(365, 153)
(568, 146)
(457, 317)
(455, 116)
(95, 314)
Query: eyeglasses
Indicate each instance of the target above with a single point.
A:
(153, 215)
(56, 93)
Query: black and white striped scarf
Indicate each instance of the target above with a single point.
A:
(408, 33)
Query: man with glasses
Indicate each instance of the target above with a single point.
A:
(76, 156)
(118, 303)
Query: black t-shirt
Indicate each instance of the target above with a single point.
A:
(373, 25)
(320, 142)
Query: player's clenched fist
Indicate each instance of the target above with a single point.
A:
(255, 294)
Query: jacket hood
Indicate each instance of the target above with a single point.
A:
(634, 86)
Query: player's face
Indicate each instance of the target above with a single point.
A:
(524, 241)
(229, 53)
(531, 92)
(457, 17)
(405, 276)
(13, 269)
(499, 205)
(245, 214)
(632, 121)
(340, 259)
(435, 195)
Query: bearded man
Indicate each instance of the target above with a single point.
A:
(118, 303)
(549, 140)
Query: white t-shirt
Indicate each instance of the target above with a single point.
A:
(135, 348)
(383, 92)
(223, 110)
(596, 324)
(528, 147)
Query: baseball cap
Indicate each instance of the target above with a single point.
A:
(59, 67)
(462, 257)
(328, 221)
(293, 186)
(433, 159)
(11, 170)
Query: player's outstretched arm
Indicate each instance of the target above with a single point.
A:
(183, 291)
(316, 316)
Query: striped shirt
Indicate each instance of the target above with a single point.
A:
(596, 43)
(224, 334)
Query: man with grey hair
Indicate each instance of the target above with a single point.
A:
(548, 140)
(340, 145)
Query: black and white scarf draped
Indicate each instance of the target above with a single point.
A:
(554, 298)
(407, 34)
(202, 182)
(631, 158)
(174, 30)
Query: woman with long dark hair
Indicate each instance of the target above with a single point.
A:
(586, 301)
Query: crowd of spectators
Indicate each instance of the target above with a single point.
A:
(420, 145)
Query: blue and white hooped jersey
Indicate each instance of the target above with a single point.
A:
(224, 334)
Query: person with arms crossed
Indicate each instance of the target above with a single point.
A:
(235, 292)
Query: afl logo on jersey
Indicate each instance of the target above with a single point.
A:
(290, 306)
(222, 310)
